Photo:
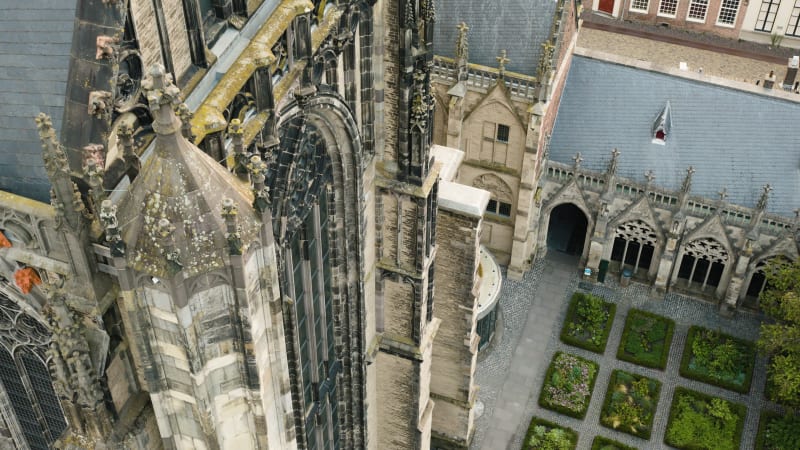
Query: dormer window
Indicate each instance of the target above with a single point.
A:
(662, 126)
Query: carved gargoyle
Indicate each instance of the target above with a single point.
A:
(99, 104)
(105, 46)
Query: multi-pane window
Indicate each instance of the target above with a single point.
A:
(766, 15)
(503, 132)
(727, 12)
(793, 28)
(697, 10)
(499, 207)
(640, 5)
(668, 8)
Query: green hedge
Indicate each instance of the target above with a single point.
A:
(687, 372)
(791, 428)
(544, 403)
(535, 421)
(572, 313)
(649, 359)
(601, 443)
(656, 392)
(737, 409)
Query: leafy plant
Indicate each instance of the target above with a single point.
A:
(630, 403)
(701, 422)
(544, 435)
(646, 339)
(782, 433)
(588, 322)
(602, 443)
(719, 359)
(568, 385)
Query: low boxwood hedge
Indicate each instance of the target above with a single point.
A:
(785, 433)
(602, 443)
(687, 371)
(657, 357)
(572, 435)
(572, 316)
(544, 402)
(648, 404)
(714, 438)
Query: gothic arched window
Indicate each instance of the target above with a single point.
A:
(634, 244)
(703, 262)
(28, 402)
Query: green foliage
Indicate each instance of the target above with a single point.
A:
(718, 359)
(781, 338)
(701, 422)
(568, 385)
(588, 322)
(544, 435)
(602, 443)
(646, 339)
(630, 403)
(781, 432)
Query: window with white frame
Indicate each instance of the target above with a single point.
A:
(766, 15)
(697, 10)
(640, 5)
(727, 12)
(668, 8)
(793, 28)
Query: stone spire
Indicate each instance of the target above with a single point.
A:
(64, 194)
(762, 201)
(462, 53)
(611, 173)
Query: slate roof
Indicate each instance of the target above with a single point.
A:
(35, 42)
(519, 26)
(732, 138)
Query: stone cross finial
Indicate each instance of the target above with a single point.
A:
(650, 176)
(723, 194)
(578, 160)
(502, 60)
(762, 202)
(462, 46)
(162, 96)
(546, 60)
(687, 182)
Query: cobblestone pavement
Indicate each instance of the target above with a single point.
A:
(511, 370)
(730, 67)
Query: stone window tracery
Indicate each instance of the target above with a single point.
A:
(634, 245)
(703, 262)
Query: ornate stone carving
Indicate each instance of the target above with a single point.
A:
(105, 47)
(99, 104)
(108, 218)
(232, 232)
(636, 231)
(762, 201)
(502, 60)
(708, 249)
(258, 170)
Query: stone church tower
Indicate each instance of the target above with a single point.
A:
(241, 248)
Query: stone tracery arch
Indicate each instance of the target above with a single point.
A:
(704, 261)
(634, 244)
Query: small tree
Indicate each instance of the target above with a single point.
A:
(781, 338)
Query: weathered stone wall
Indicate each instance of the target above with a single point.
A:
(455, 349)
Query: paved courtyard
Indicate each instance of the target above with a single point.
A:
(510, 372)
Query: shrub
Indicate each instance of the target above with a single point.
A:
(646, 339)
(718, 359)
(588, 322)
(544, 435)
(568, 385)
(630, 403)
(601, 443)
(778, 431)
(701, 422)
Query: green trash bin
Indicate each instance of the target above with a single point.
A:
(602, 270)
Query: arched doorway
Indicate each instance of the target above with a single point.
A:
(566, 231)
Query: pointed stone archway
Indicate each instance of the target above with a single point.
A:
(566, 230)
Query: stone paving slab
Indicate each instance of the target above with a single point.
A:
(510, 372)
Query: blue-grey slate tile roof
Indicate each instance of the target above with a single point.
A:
(518, 26)
(35, 43)
(732, 138)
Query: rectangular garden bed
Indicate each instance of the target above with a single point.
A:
(588, 322)
(702, 422)
(568, 385)
(718, 359)
(601, 443)
(544, 434)
(646, 339)
(630, 403)
(778, 431)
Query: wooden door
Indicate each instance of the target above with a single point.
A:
(606, 6)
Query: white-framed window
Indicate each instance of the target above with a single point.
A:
(668, 8)
(697, 10)
(727, 13)
(793, 28)
(640, 5)
(766, 15)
